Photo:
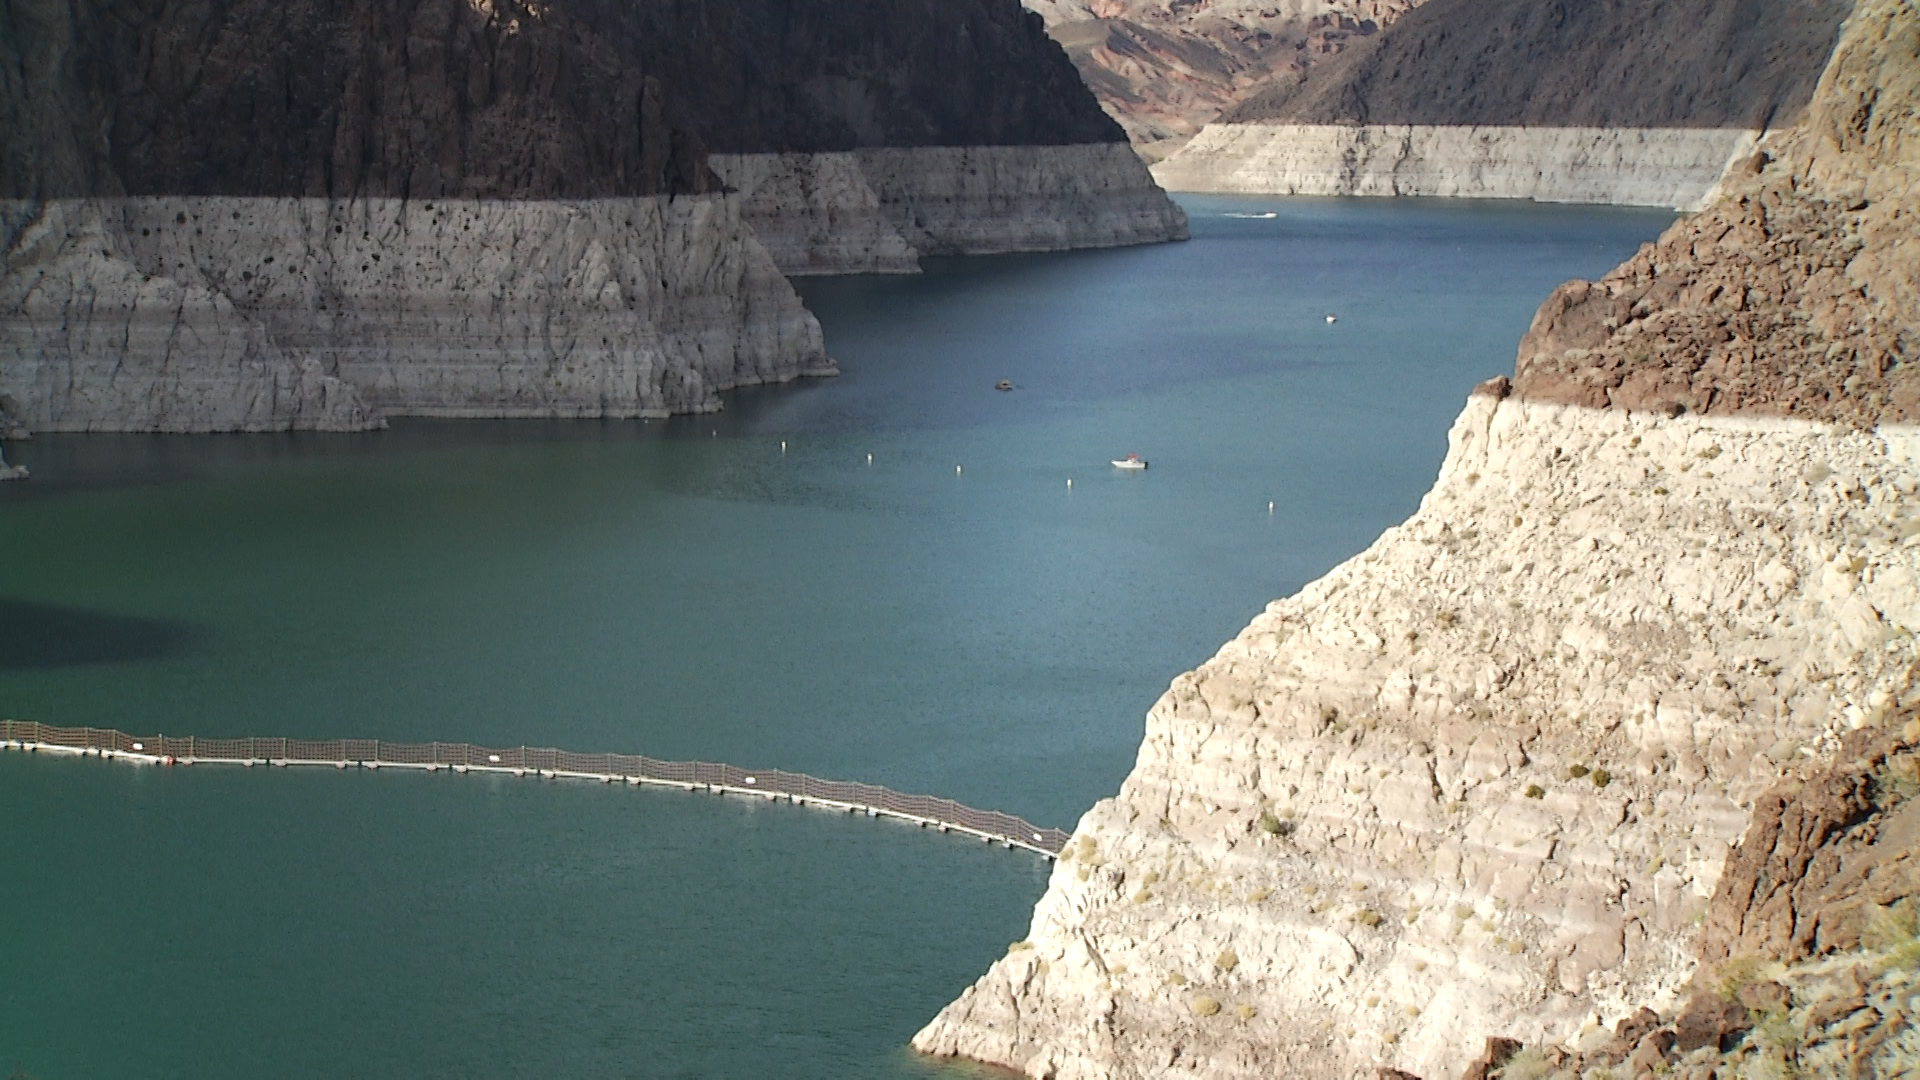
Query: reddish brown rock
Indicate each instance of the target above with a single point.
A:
(1708, 1020)
(1821, 848)
(1499, 1051)
(1796, 295)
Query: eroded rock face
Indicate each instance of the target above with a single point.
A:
(1563, 101)
(1482, 779)
(1382, 797)
(879, 210)
(1670, 166)
(1165, 68)
(248, 216)
(1795, 294)
(1810, 940)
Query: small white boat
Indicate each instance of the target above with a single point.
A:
(1131, 462)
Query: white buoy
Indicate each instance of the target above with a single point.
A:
(1069, 483)
(956, 470)
(783, 446)
(869, 459)
(1269, 506)
(1331, 319)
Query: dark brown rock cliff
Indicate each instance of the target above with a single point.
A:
(504, 98)
(1579, 63)
(1796, 295)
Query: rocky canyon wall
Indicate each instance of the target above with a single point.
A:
(317, 214)
(1563, 102)
(878, 210)
(1166, 68)
(1483, 779)
(1677, 167)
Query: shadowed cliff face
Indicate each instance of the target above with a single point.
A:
(333, 98)
(446, 98)
(1584, 63)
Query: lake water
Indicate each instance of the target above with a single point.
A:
(686, 589)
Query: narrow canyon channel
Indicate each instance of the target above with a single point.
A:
(882, 577)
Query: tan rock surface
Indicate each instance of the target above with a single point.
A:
(1482, 779)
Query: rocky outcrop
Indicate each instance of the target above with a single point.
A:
(1677, 167)
(1482, 779)
(1809, 946)
(1563, 101)
(1165, 68)
(1795, 295)
(878, 210)
(323, 213)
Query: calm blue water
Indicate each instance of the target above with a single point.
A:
(686, 589)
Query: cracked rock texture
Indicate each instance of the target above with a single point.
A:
(1482, 779)
(1381, 799)
(1563, 101)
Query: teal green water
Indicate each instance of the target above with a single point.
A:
(686, 589)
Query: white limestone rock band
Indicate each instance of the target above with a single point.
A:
(1369, 833)
(1674, 167)
(256, 314)
(880, 210)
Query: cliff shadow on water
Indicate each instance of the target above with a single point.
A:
(34, 635)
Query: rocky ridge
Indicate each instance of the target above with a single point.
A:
(1483, 778)
(1525, 100)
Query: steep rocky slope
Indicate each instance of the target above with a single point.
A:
(1165, 68)
(247, 216)
(1810, 946)
(1482, 779)
(1566, 100)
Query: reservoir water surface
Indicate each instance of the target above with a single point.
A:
(949, 617)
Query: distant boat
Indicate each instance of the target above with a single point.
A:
(1331, 319)
(1131, 462)
(1257, 217)
(1003, 384)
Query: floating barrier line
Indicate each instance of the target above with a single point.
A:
(632, 769)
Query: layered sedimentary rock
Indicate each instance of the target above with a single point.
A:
(1564, 101)
(1165, 68)
(878, 210)
(247, 314)
(1677, 167)
(1482, 779)
(252, 217)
